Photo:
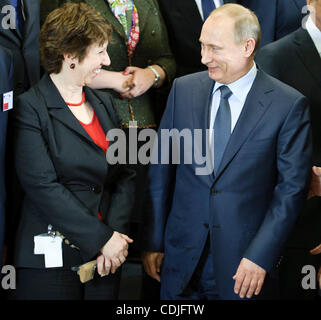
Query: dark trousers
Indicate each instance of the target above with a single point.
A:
(202, 285)
(60, 284)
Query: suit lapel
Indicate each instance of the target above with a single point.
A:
(32, 14)
(308, 54)
(255, 106)
(100, 110)
(299, 4)
(202, 97)
(58, 109)
(144, 11)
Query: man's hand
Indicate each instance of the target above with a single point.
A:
(152, 262)
(249, 279)
(114, 253)
(315, 187)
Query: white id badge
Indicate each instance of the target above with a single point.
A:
(50, 246)
(7, 103)
(53, 252)
(39, 244)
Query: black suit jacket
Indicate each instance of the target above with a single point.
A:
(277, 17)
(24, 48)
(184, 24)
(6, 85)
(295, 61)
(65, 176)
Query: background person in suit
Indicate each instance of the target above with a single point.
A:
(296, 61)
(60, 156)
(23, 42)
(21, 38)
(184, 20)
(6, 85)
(221, 233)
(277, 17)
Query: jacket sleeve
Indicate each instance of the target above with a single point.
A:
(37, 175)
(294, 153)
(165, 58)
(161, 183)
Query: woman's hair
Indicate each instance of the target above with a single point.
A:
(71, 29)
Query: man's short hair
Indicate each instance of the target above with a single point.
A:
(246, 23)
(71, 29)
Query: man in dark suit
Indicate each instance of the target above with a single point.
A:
(296, 60)
(6, 86)
(277, 17)
(184, 20)
(221, 233)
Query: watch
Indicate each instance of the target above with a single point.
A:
(157, 76)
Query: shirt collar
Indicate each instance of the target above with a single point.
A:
(314, 33)
(241, 87)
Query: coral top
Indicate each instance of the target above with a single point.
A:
(96, 132)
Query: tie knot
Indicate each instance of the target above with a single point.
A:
(225, 92)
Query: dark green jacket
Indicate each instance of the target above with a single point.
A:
(153, 48)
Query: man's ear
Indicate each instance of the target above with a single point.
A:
(249, 47)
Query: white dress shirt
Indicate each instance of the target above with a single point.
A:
(314, 33)
(240, 89)
(217, 3)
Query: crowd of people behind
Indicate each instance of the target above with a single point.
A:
(73, 70)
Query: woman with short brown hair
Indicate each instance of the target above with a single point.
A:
(76, 205)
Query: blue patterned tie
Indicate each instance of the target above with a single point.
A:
(207, 7)
(222, 126)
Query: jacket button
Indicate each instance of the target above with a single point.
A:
(206, 225)
(96, 189)
(214, 191)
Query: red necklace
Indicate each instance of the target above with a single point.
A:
(77, 104)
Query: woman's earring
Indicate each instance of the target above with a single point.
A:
(72, 66)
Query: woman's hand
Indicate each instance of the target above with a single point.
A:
(114, 253)
(141, 81)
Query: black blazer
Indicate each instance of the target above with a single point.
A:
(295, 61)
(184, 25)
(65, 176)
(277, 17)
(24, 48)
(6, 85)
